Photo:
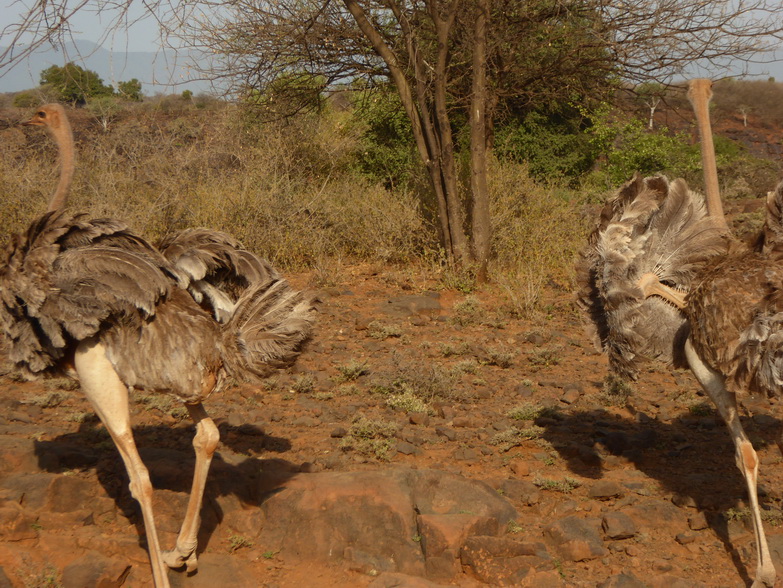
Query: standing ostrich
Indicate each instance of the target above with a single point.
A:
(89, 298)
(726, 297)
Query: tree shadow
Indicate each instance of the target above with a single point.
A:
(692, 458)
(168, 454)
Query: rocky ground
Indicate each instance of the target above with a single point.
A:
(425, 437)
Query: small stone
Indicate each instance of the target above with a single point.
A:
(461, 421)
(407, 448)
(575, 539)
(419, 418)
(698, 521)
(447, 432)
(618, 525)
(605, 489)
(521, 491)
(338, 432)
(570, 396)
(446, 412)
(310, 468)
(685, 538)
(624, 580)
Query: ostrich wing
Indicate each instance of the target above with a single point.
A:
(649, 226)
(771, 237)
(270, 322)
(67, 277)
(736, 313)
(217, 268)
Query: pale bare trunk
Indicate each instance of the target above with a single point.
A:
(479, 188)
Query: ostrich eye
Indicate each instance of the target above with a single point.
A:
(41, 113)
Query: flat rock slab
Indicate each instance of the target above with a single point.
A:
(575, 539)
(333, 516)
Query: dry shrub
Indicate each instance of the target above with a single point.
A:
(537, 233)
(282, 189)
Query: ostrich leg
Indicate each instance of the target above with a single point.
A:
(109, 397)
(747, 461)
(205, 442)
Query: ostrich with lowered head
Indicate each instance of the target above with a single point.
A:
(91, 299)
(706, 301)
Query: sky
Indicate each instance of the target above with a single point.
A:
(154, 68)
(144, 36)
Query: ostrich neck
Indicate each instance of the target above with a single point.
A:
(64, 140)
(699, 94)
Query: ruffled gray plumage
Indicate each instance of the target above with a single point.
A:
(653, 226)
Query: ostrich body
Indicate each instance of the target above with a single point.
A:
(89, 298)
(730, 304)
(735, 315)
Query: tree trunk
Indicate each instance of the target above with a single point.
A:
(479, 189)
(434, 140)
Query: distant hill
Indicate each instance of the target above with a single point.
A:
(158, 71)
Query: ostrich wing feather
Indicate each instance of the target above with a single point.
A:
(771, 237)
(649, 226)
(66, 277)
(217, 268)
(270, 322)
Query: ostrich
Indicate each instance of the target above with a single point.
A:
(717, 303)
(89, 298)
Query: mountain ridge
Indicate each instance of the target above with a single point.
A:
(165, 71)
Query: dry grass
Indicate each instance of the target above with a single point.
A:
(537, 233)
(287, 191)
(293, 205)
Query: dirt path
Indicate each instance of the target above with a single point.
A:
(401, 376)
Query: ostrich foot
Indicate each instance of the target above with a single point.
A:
(175, 559)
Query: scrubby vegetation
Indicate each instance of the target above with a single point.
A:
(343, 183)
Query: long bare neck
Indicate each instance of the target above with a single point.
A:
(699, 94)
(63, 136)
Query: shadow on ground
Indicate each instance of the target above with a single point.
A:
(168, 454)
(692, 459)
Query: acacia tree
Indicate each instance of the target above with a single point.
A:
(74, 84)
(448, 59)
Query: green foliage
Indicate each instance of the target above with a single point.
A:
(553, 144)
(187, 95)
(130, 90)
(616, 391)
(288, 94)
(74, 84)
(630, 147)
(26, 99)
(105, 109)
(386, 152)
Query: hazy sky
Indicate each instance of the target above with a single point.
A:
(92, 26)
(144, 35)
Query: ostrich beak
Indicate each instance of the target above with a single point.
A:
(651, 286)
